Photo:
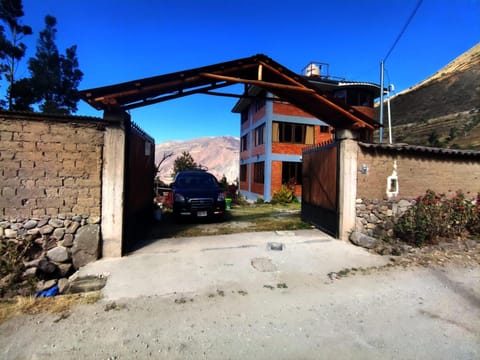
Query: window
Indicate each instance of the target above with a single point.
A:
(244, 116)
(259, 135)
(292, 133)
(291, 173)
(260, 102)
(244, 143)
(258, 172)
(243, 173)
(324, 129)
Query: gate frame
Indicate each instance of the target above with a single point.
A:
(346, 188)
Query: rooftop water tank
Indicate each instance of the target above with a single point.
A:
(312, 70)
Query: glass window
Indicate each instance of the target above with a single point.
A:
(243, 173)
(291, 173)
(293, 133)
(244, 143)
(259, 135)
(258, 172)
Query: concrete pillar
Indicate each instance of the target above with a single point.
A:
(113, 185)
(347, 183)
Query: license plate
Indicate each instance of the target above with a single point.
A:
(201, 213)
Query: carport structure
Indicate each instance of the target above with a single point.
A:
(258, 70)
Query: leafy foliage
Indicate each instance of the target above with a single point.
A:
(435, 216)
(12, 47)
(54, 77)
(184, 162)
(12, 254)
(283, 196)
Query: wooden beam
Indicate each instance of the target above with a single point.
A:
(264, 84)
(179, 93)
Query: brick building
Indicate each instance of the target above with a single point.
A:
(274, 132)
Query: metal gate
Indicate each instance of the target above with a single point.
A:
(320, 187)
(139, 189)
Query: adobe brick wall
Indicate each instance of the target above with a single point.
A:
(49, 167)
(416, 174)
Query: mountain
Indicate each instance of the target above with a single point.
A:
(443, 110)
(220, 155)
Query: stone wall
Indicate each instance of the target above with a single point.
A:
(49, 166)
(56, 246)
(376, 218)
(50, 193)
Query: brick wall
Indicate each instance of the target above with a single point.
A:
(49, 166)
(287, 148)
(416, 174)
(259, 114)
(276, 177)
(288, 109)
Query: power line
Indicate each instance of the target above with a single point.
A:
(403, 29)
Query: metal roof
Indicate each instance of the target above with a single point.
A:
(405, 148)
(258, 70)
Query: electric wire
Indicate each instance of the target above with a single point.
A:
(403, 29)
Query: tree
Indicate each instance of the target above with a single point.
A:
(165, 156)
(184, 162)
(13, 49)
(54, 77)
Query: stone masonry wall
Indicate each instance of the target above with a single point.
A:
(49, 167)
(376, 218)
(50, 196)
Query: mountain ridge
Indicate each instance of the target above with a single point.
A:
(219, 154)
(444, 109)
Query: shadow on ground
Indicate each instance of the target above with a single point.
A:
(237, 220)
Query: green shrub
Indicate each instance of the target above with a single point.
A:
(435, 216)
(283, 196)
(259, 201)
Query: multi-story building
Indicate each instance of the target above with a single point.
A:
(274, 132)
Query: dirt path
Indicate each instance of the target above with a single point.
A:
(403, 314)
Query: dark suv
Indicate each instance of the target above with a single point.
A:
(197, 193)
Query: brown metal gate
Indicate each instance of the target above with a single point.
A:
(320, 187)
(139, 189)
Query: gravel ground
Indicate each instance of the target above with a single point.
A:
(424, 304)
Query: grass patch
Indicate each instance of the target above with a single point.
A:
(244, 218)
(31, 306)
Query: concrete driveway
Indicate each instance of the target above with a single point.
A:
(231, 297)
(199, 264)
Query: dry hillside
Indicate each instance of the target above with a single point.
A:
(219, 154)
(442, 110)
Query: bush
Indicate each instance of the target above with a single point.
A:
(283, 196)
(435, 216)
(12, 254)
(259, 201)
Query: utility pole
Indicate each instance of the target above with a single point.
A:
(380, 132)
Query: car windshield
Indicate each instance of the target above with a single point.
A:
(196, 180)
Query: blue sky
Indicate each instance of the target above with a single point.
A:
(122, 40)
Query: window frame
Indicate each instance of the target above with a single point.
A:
(259, 135)
(293, 170)
(259, 172)
(293, 133)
